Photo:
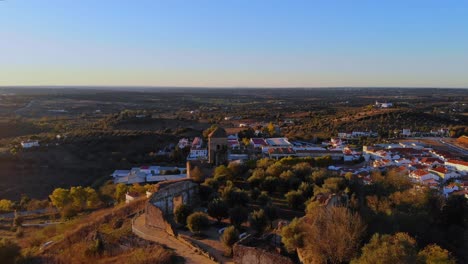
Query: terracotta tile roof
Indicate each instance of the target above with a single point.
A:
(459, 162)
(419, 166)
(281, 151)
(420, 173)
(430, 160)
(441, 169)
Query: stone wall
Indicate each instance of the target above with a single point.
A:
(154, 218)
(166, 198)
(245, 254)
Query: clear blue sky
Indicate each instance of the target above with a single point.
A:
(234, 43)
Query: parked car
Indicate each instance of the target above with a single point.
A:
(241, 236)
(221, 231)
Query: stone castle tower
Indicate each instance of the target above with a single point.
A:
(217, 146)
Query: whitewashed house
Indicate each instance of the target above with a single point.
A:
(29, 143)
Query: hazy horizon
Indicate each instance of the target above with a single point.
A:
(242, 44)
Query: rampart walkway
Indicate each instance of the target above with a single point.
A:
(161, 237)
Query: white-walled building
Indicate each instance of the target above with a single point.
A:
(459, 165)
(29, 143)
(198, 154)
(148, 174)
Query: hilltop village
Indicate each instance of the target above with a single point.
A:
(279, 165)
(296, 176)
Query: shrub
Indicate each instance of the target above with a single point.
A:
(197, 222)
(229, 238)
(68, 212)
(295, 199)
(263, 199)
(218, 209)
(259, 221)
(238, 215)
(6, 205)
(181, 213)
(270, 184)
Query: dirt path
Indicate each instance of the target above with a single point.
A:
(161, 237)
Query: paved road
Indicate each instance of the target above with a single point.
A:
(163, 238)
(17, 111)
(26, 213)
(43, 224)
(454, 147)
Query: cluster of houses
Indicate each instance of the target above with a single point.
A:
(425, 166)
(383, 105)
(145, 174)
(442, 132)
(406, 132)
(357, 134)
(274, 148)
(277, 148)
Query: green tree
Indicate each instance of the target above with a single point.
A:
(197, 222)
(6, 205)
(302, 170)
(222, 171)
(263, 199)
(60, 197)
(120, 191)
(218, 209)
(388, 249)
(236, 169)
(272, 213)
(78, 197)
(229, 238)
(92, 198)
(136, 187)
(433, 254)
(292, 235)
(181, 214)
(24, 201)
(334, 184)
(307, 189)
(271, 129)
(234, 196)
(238, 215)
(275, 169)
(295, 199)
(259, 221)
(270, 184)
(246, 142)
(331, 235)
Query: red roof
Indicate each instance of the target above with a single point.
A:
(281, 151)
(418, 166)
(441, 169)
(460, 162)
(259, 141)
(420, 173)
(430, 160)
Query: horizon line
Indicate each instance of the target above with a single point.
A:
(228, 87)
